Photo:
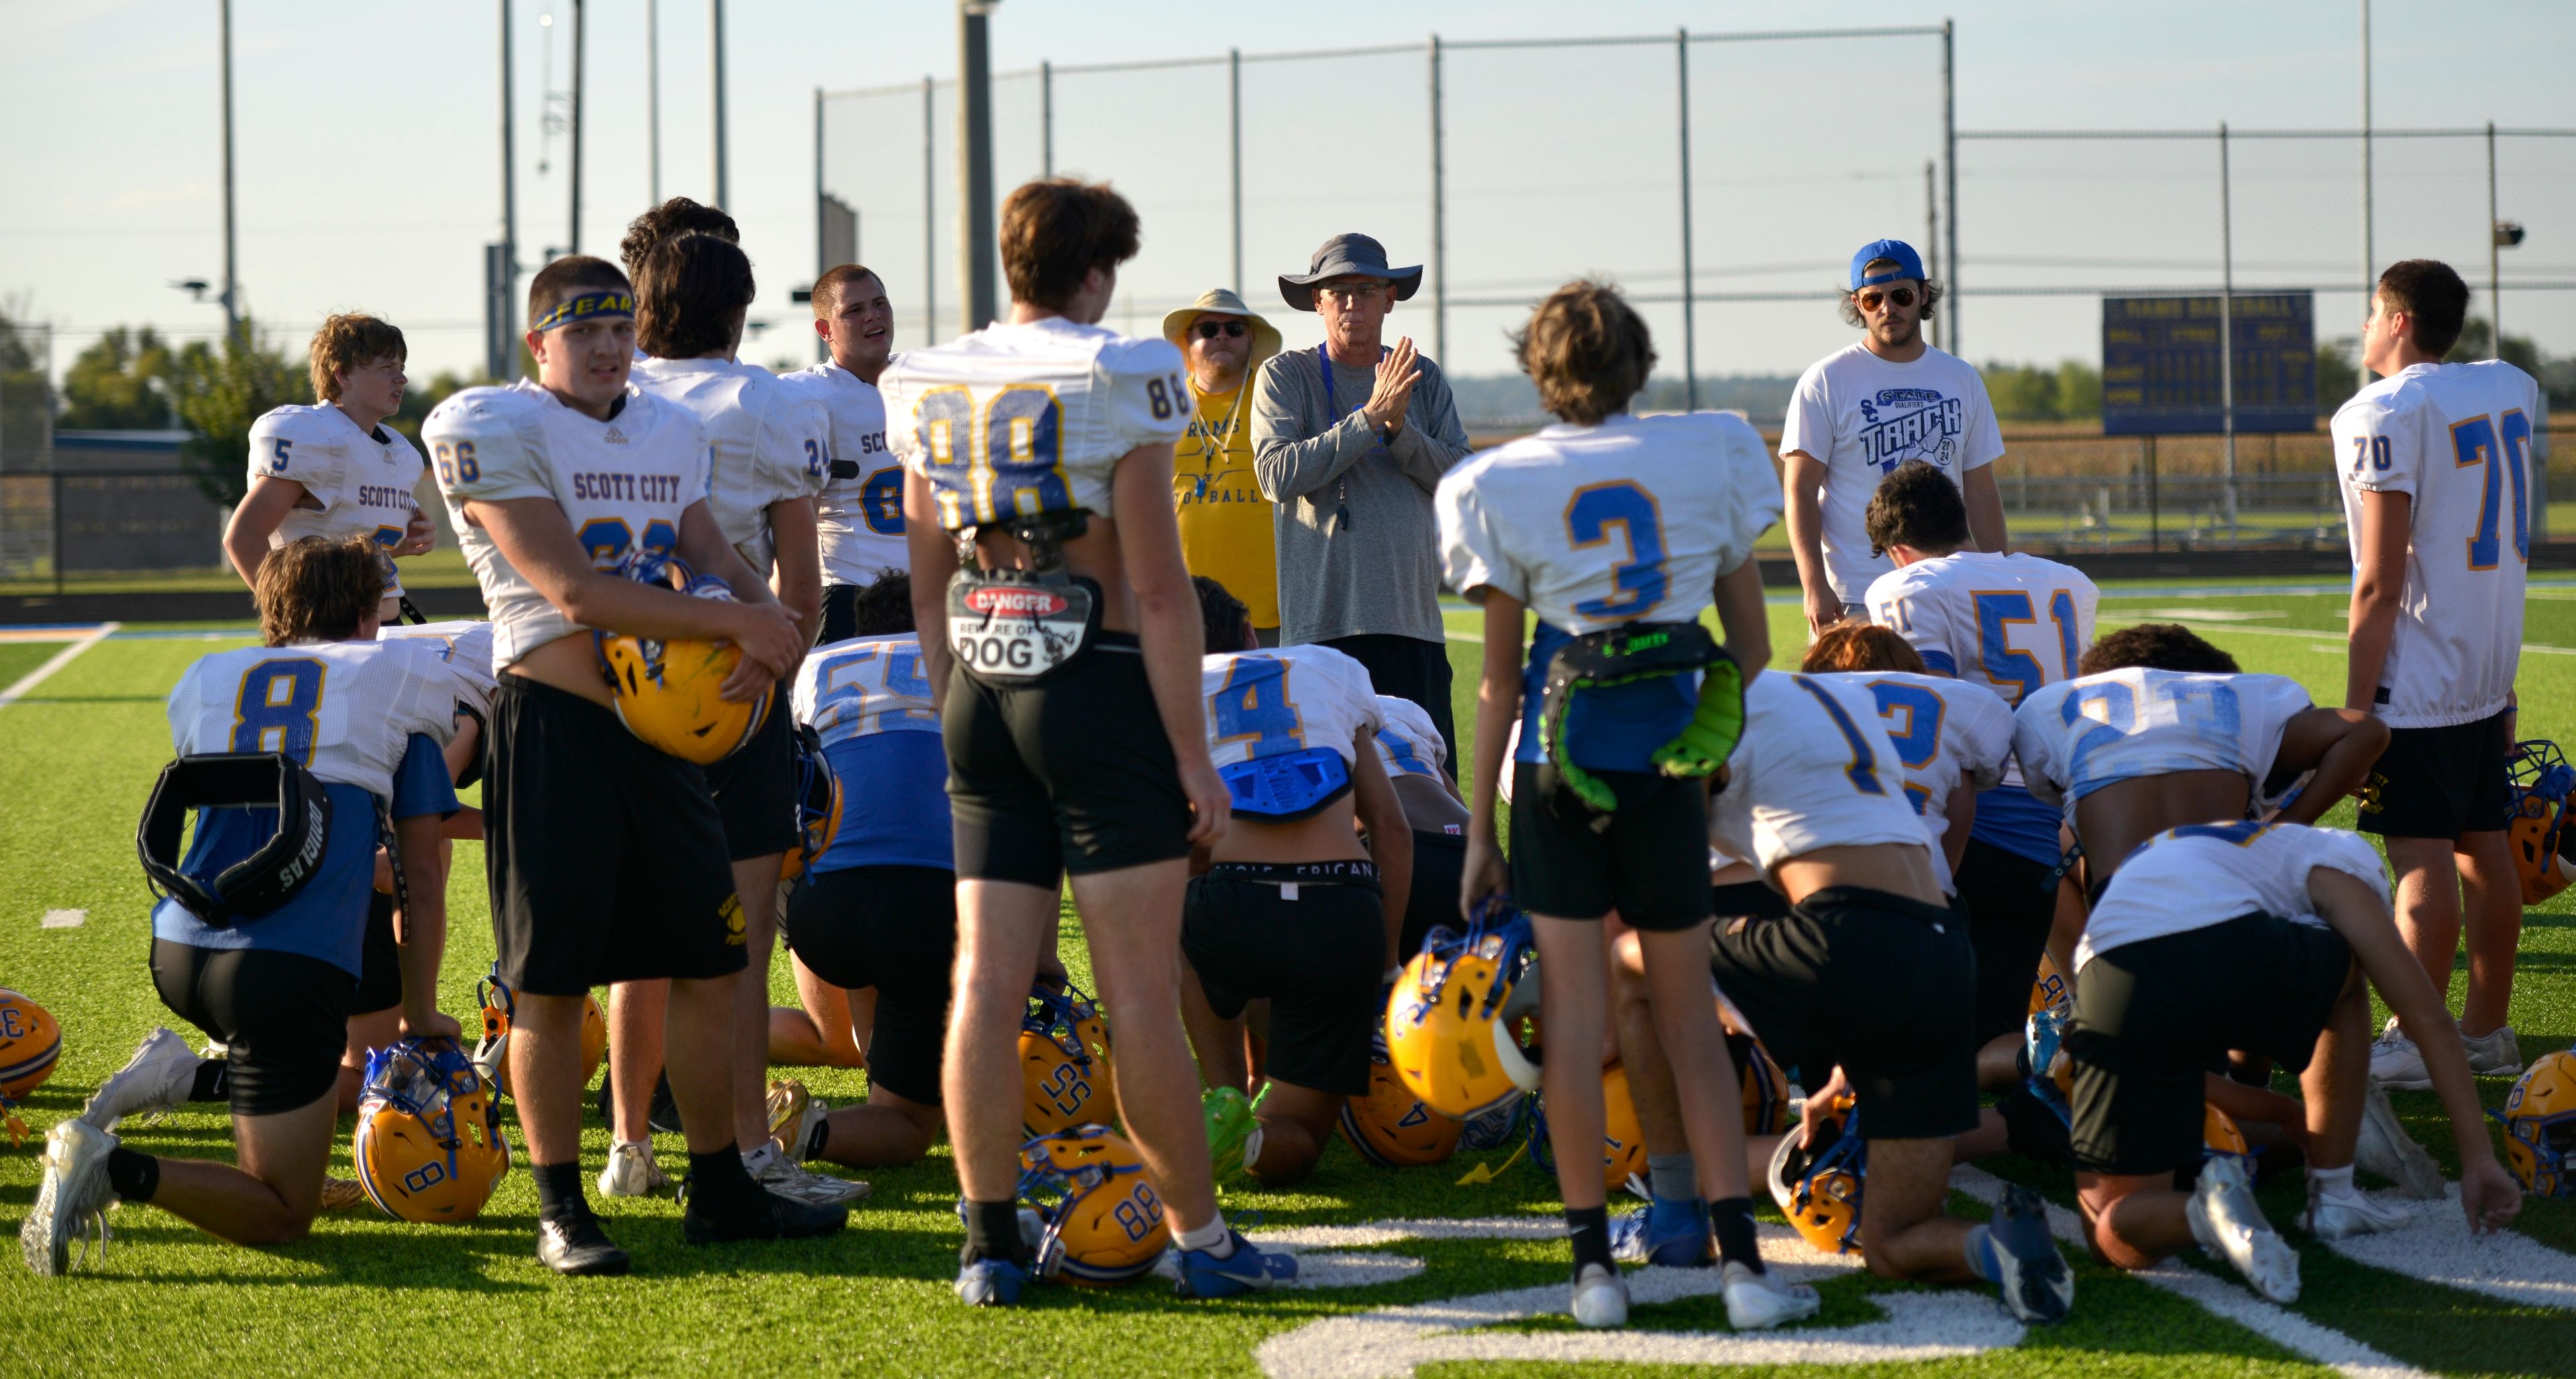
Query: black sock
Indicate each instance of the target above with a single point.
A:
(1732, 1219)
(559, 1196)
(214, 1081)
(719, 1183)
(993, 1232)
(134, 1176)
(1590, 1229)
(821, 1138)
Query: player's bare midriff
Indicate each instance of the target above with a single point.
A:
(570, 664)
(1092, 555)
(1897, 870)
(2113, 820)
(1323, 836)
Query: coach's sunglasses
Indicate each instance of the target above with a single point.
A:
(1209, 330)
(1899, 297)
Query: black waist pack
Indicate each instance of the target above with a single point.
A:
(274, 871)
(1647, 651)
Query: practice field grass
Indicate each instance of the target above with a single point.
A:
(363, 1292)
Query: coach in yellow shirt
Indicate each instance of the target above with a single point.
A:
(1226, 531)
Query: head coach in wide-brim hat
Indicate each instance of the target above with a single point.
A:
(1352, 256)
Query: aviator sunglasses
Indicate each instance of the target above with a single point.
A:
(1899, 297)
(1209, 330)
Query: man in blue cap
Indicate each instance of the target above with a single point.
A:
(1864, 410)
(1350, 439)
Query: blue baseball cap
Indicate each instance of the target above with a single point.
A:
(1908, 263)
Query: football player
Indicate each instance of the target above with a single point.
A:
(1291, 908)
(2011, 623)
(1866, 984)
(878, 908)
(2255, 936)
(2437, 472)
(1618, 531)
(771, 449)
(860, 514)
(366, 718)
(1041, 448)
(335, 468)
(1948, 733)
(553, 482)
(1417, 760)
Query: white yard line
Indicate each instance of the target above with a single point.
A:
(2315, 635)
(56, 662)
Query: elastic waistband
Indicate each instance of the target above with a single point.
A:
(512, 682)
(1354, 872)
(1117, 641)
(1425, 837)
(1871, 898)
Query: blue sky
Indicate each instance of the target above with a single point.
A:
(368, 177)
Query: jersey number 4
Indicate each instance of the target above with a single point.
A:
(1253, 706)
(1639, 583)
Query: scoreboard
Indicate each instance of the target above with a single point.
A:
(2160, 364)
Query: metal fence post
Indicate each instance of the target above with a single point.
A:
(57, 477)
(1046, 119)
(1690, 326)
(1234, 152)
(1439, 228)
(2227, 322)
(929, 216)
(2495, 285)
(1950, 164)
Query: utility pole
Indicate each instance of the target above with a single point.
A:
(1950, 184)
(572, 239)
(1932, 233)
(653, 101)
(2495, 247)
(2227, 319)
(232, 290)
(716, 91)
(1690, 322)
(2369, 250)
(974, 166)
(501, 355)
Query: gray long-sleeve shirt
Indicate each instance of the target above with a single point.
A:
(1380, 571)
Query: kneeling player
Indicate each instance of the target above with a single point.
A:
(879, 907)
(1417, 761)
(1871, 976)
(2246, 936)
(1291, 909)
(366, 719)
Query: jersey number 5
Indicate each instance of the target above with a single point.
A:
(1639, 583)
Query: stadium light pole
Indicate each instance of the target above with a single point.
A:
(2495, 246)
(1234, 153)
(1932, 233)
(653, 101)
(1690, 320)
(232, 296)
(929, 213)
(572, 238)
(501, 360)
(2227, 321)
(974, 165)
(716, 91)
(1439, 225)
(2369, 250)
(1950, 162)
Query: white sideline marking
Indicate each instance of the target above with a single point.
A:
(2219, 1297)
(2204, 620)
(2438, 1248)
(2208, 614)
(59, 660)
(63, 919)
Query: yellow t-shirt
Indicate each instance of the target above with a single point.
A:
(1226, 531)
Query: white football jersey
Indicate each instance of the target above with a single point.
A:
(2191, 878)
(1814, 769)
(2456, 438)
(346, 710)
(2009, 622)
(865, 685)
(1021, 420)
(1596, 526)
(467, 648)
(1947, 733)
(770, 443)
(1286, 699)
(1407, 742)
(363, 482)
(861, 511)
(1860, 417)
(622, 484)
(2076, 736)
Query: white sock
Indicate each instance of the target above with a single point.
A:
(2333, 1182)
(1252, 1147)
(755, 1160)
(1208, 1237)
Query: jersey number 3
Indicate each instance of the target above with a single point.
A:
(1639, 583)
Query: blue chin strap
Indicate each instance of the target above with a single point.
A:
(1290, 785)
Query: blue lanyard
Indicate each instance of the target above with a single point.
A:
(1332, 408)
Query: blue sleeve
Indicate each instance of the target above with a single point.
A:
(421, 784)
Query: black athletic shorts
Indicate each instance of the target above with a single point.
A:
(1747, 900)
(1439, 861)
(2152, 1017)
(1877, 983)
(2009, 902)
(755, 788)
(1650, 864)
(840, 616)
(1072, 774)
(2441, 782)
(895, 929)
(1310, 936)
(283, 1017)
(380, 962)
(606, 858)
(1409, 668)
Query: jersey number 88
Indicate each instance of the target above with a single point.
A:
(1011, 452)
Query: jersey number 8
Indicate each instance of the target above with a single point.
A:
(1010, 453)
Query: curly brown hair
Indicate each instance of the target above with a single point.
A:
(670, 220)
(1587, 350)
(1056, 230)
(2155, 646)
(351, 341)
(1855, 645)
(318, 588)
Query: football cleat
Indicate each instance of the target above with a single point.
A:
(1245, 1270)
(668, 691)
(1064, 1063)
(770, 1217)
(492, 1052)
(2228, 1223)
(157, 1079)
(990, 1283)
(1497, 1127)
(2539, 1120)
(2496, 1053)
(787, 1178)
(31, 1042)
(793, 1114)
(632, 1171)
(1231, 1131)
(343, 1194)
(2536, 820)
(818, 806)
(2396, 1063)
(1623, 1140)
(2387, 1150)
(72, 1198)
(2036, 1286)
(1670, 1233)
(1100, 1222)
(1392, 1128)
(2343, 1216)
(1452, 1025)
(1759, 1302)
(1600, 1298)
(580, 1249)
(429, 1145)
(1819, 1188)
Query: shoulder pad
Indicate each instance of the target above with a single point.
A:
(1140, 357)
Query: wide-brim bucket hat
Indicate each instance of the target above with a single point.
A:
(1348, 255)
(1265, 336)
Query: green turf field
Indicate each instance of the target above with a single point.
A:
(82, 747)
